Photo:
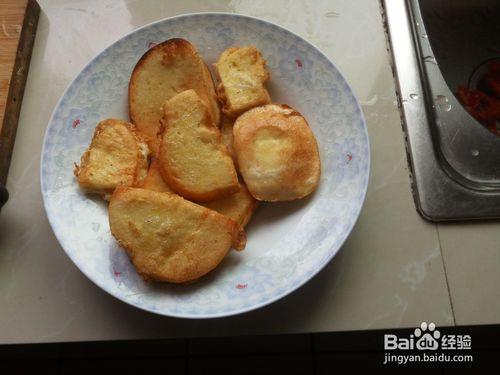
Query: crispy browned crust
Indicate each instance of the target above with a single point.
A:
(248, 73)
(128, 173)
(226, 129)
(252, 206)
(169, 238)
(188, 71)
(238, 206)
(154, 180)
(277, 153)
(170, 151)
(213, 102)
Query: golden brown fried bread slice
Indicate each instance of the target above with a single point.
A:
(162, 72)
(116, 156)
(277, 153)
(194, 161)
(169, 238)
(226, 130)
(238, 206)
(154, 180)
(242, 73)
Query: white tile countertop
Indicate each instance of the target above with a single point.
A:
(395, 270)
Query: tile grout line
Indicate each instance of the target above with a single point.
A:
(446, 275)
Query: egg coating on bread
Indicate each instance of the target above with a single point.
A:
(242, 74)
(117, 155)
(277, 153)
(193, 159)
(169, 238)
(162, 72)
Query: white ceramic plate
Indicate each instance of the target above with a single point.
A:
(288, 243)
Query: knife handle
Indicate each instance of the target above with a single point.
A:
(4, 195)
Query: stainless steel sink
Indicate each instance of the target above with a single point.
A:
(436, 46)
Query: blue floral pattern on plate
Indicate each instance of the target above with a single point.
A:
(288, 242)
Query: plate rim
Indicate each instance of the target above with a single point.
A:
(245, 309)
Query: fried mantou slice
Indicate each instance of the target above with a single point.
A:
(117, 155)
(169, 238)
(242, 74)
(154, 180)
(161, 73)
(194, 161)
(277, 153)
(226, 130)
(238, 206)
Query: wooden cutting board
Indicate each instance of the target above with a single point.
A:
(11, 22)
(18, 22)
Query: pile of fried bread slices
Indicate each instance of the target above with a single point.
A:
(185, 175)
